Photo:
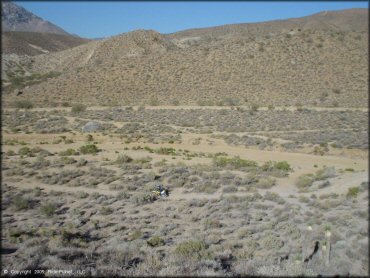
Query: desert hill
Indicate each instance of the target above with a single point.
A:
(320, 60)
(346, 20)
(32, 43)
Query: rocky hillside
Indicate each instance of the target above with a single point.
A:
(321, 60)
(16, 18)
(31, 43)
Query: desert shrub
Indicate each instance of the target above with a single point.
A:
(37, 191)
(48, 209)
(175, 102)
(68, 152)
(336, 91)
(318, 150)
(144, 198)
(272, 196)
(277, 168)
(166, 151)
(325, 173)
(231, 101)
(305, 181)
(77, 108)
(123, 158)
(304, 199)
(13, 142)
(23, 104)
(228, 189)
(154, 101)
(106, 211)
(24, 151)
(10, 153)
(21, 203)
(282, 165)
(271, 242)
(192, 249)
(254, 107)
(89, 138)
(89, 149)
(212, 223)
(266, 183)
(135, 235)
(233, 163)
(81, 162)
(82, 194)
(155, 241)
(353, 192)
(123, 195)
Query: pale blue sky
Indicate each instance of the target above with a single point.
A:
(102, 19)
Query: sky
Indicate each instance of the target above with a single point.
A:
(102, 19)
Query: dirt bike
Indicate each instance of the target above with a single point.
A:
(158, 193)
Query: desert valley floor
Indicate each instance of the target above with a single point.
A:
(252, 191)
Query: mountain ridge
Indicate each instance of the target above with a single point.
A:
(17, 18)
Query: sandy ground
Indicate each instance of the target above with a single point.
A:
(301, 163)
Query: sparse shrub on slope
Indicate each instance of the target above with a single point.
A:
(192, 249)
(23, 104)
(89, 149)
(77, 108)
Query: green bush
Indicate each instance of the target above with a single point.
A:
(23, 104)
(353, 192)
(192, 249)
(25, 151)
(282, 165)
(21, 203)
(68, 152)
(155, 241)
(305, 181)
(273, 165)
(48, 209)
(77, 108)
(166, 151)
(89, 149)
(233, 163)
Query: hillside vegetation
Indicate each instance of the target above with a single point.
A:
(305, 65)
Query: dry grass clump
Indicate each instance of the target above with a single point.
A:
(21, 203)
(191, 250)
(78, 108)
(266, 183)
(23, 104)
(48, 209)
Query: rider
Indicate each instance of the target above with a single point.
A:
(161, 190)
